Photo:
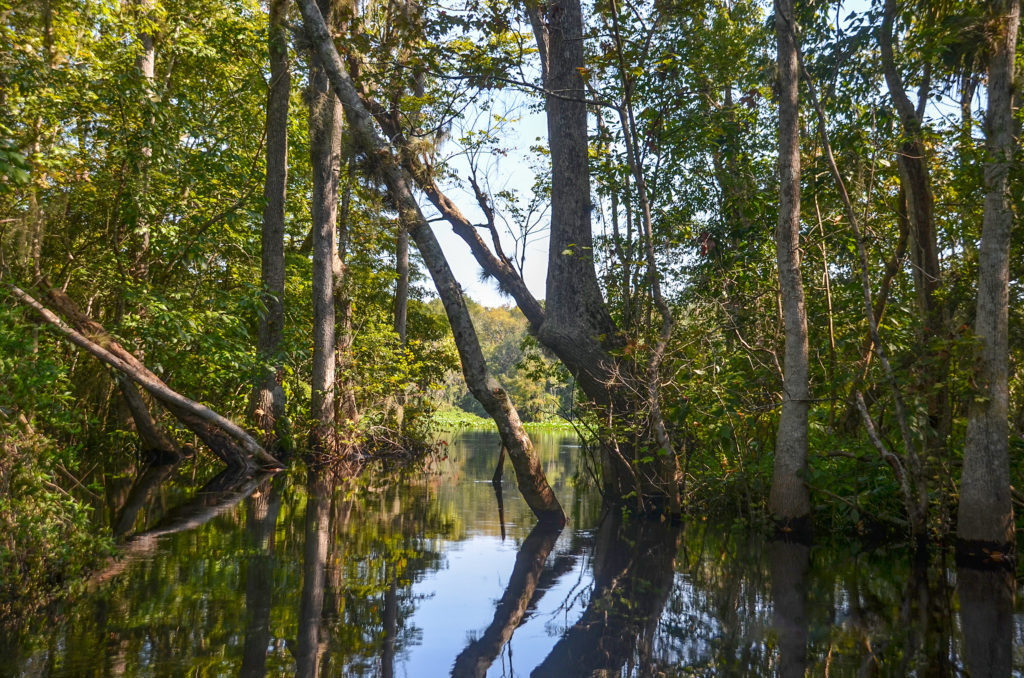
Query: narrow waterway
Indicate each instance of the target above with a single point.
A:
(427, 572)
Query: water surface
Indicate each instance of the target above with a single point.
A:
(422, 573)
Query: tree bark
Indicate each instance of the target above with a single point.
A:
(986, 511)
(227, 440)
(577, 325)
(532, 483)
(789, 498)
(325, 148)
(154, 441)
(346, 409)
(268, 395)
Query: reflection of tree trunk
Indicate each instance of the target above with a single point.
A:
(314, 571)
(923, 617)
(986, 620)
(634, 566)
(474, 661)
(387, 659)
(261, 518)
(789, 562)
(220, 494)
(141, 490)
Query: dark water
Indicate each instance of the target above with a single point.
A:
(410, 575)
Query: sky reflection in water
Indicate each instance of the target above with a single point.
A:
(410, 576)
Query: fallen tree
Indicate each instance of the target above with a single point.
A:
(227, 440)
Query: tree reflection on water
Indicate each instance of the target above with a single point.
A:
(409, 574)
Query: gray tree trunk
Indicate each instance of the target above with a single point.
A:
(986, 511)
(577, 325)
(268, 396)
(325, 149)
(532, 483)
(789, 497)
(346, 409)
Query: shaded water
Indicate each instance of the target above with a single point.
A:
(420, 575)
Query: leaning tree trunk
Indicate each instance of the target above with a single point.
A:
(269, 396)
(986, 511)
(325, 150)
(532, 483)
(224, 438)
(789, 499)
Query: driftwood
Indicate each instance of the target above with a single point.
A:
(226, 439)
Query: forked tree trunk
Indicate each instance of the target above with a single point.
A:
(789, 499)
(268, 396)
(325, 149)
(532, 483)
(577, 325)
(986, 511)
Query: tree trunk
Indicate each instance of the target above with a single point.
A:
(789, 499)
(155, 443)
(577, 325)
(532, 483)
(314, 573)
(225, 439)
(325, 149)
(397, 413)
(146, 63)
(346, 410)
(268, 395)
(986, 511)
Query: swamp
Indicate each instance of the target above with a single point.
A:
(508, 337)
(434, 573)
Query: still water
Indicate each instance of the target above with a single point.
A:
(429, 573)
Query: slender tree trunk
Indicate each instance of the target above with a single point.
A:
(268, 396)
(146, 63)
(789, 497)
(986, 511)
(401, 311)
(532, 483)
(346, 408)
(325, 148)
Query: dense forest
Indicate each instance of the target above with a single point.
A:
(784, 270)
